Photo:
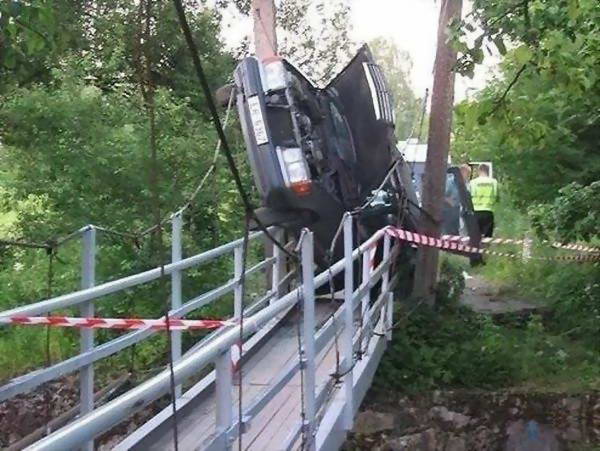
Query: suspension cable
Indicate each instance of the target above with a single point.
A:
(49, 290)
(148, 91)
(219, 128)
(242, 282)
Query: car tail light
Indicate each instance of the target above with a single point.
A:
(303, 188)
(295, 170)
(275, 74)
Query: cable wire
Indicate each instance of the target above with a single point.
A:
(148, 91)
(219, 128)
(242, 282)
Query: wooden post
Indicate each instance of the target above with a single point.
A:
(265, 37)
(265, 42)
(440, 125)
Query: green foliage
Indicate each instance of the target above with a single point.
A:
(451, 282)
(573, 216)
(312, 34)
(74, 149)
(460, 349)
(453, 347)
(541, 116)
(570, 291)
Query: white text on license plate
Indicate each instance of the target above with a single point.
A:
(258, 122)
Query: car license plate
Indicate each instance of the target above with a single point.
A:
(258, 122)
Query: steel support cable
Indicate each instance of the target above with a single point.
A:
(218, 126)
(361, 256)
(301, 361)
(398, 323)
(147, 90)
(24, 244)
(301, 354)
(49, 284)
(421, 122)
(242, 282)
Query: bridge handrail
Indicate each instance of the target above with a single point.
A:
(88, 294)
(110, 414)
(26, 382)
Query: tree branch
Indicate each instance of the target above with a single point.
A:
(502, 98)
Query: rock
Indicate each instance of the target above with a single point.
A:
(406, 443)
(531, 436)
(456, 444)
(573, 405)
(370, 422)
(483, 439)
(429, 440)
(456, 419)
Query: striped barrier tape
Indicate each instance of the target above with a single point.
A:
(499, 241)
(454, 245)
(115, 323)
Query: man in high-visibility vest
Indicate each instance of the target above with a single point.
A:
(485, 195)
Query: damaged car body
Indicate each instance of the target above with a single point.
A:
(316, 153)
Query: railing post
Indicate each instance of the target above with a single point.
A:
(389, 317)
(279, 266)
(385, 278)
(309, 355)
(348, 332)
(88, 280)
(387, 321)
(366, 300)
(224, 387)
(238, 268)
(176, 255)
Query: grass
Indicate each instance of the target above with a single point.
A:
(453, 347)
(23, 279)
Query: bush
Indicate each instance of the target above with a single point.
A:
(453, 347)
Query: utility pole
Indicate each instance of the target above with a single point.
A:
(440, 127)
(265, 44)
(265, 36)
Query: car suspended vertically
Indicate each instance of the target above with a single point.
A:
(316, 153)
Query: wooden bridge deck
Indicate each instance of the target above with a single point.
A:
(196, 425)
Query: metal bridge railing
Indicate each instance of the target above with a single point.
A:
(91, 293)
(329, 406)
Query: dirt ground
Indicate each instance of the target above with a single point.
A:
(483, 297)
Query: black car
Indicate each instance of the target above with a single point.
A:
(318, 152)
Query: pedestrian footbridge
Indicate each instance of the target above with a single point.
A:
(287, 371)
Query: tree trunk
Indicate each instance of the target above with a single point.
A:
(440, 125)
(265, 37)
(265, 43)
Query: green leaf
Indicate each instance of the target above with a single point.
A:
(523, 54)
(10, 60)
(573, 9)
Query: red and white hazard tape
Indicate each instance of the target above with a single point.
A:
(114, 323)
(499, 241)
(454, 245)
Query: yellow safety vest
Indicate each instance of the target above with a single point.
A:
(484, 192)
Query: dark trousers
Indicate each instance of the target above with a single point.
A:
(485, 219)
